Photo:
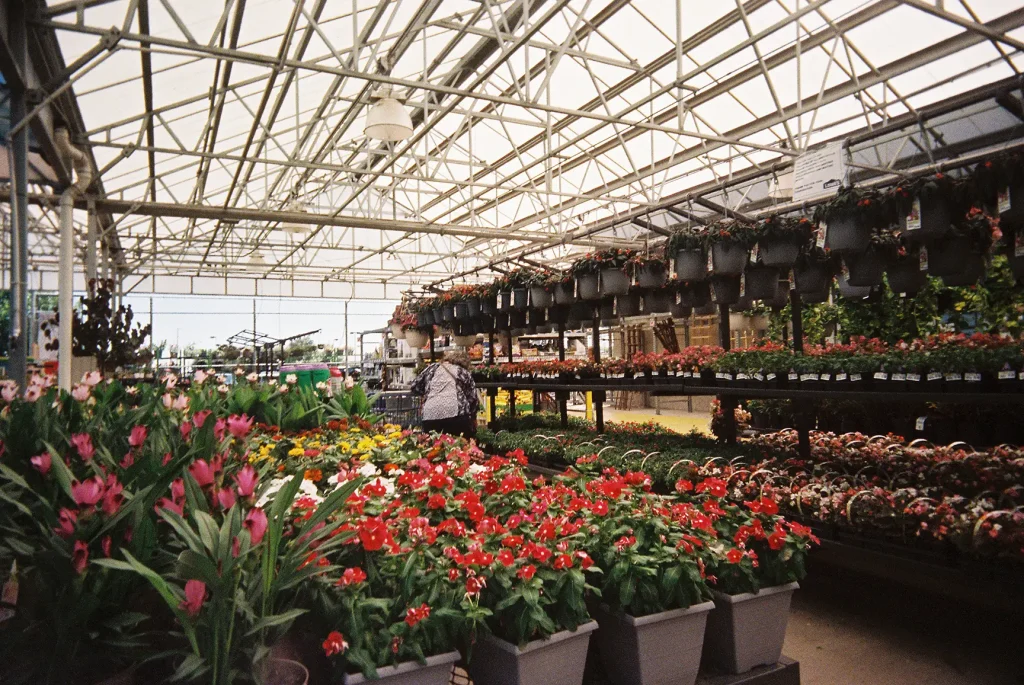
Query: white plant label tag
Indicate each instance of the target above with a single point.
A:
(819, 239)
(1004, 200)
(881, 376)
(953, 377)
(972, 377)
(770, 377)
(935, 376)
(1018, 245)
(794, 376)
(826, 376)
(840, 376)
(899, 377)
(914, 377)
(922, 259)
(855, 377)
(743, 284)
(754, 253)
(808, 377)
(759, 377)
(711, 260)
(679, 298)
(919, 424)
(1007, 375)
(914, 218)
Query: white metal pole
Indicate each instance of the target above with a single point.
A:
(65, 284)
(90, 245)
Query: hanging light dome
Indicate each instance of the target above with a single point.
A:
(299, 208)
(387, 119)
(257, 262)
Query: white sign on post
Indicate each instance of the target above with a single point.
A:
(819, 173)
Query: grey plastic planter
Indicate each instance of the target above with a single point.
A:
(867, 268)
(587, 287)
(565, 293)
(936, 218)
(520, 298)
(847, 234)
(745, 631)
(660, 649)
(539, 297)
(778, 253)
(905, 277)
(658, 301)
(559, 660)
(651, 277)
(614, 282)
(504, 300)
(474, 306)
(696, 295)
(628, 304)
(725, 289)
(762, 282)
(437, 671)
(691, 265)
(728, 259)
(948, 257)
(462, 312)
(853, 292)
(972, 269)
(813, 278)
(680, 311)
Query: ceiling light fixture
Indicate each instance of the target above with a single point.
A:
(387, 120)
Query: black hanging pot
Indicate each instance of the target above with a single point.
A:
(651, 275)
(696, 294)
(866, 268)
(973, 268)
(474, 306)
(424, 318)
(1015, 212)
(725, 289)
(847, 233)
(658, 301)
(565, 293)
(707, 309)
(486, 323)
(505, 300)
(906, 277)
(761, 282)
(438, 315)
(520, 298)
(536, 317)
(933, 220)
(691, 265)
(744, 303)
(781, 254)
(447, 313)
(501, 321)
(580, 312)
(1016, 265)
(462, 312)
(516, 319)
(812, 278)
(815, 297)
(587, 287)
(680, 311)
(948, 257)
(488, 305)
(781, 298)
(728, 258)
(539, 297)
(852, 292)
(607, 310)
(628, 304)
(614, 282)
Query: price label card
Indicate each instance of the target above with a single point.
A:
(922, 259)
(711, 260)
(1018, 244)
(742, 377)
(804, 377)
(770, 377)
(914, 377)
(899, 377)
(1004, 200)
(759, 377)
(754, 253)
(679, 298)
(840, 376)
(914, 218)
(881, 376)
(855, 377)
(794, 376)
(819, 239)
(792, 280)
(919, 424)
(1007, 375)
(826, 376)
(954, 377)
(935, 376)
(972, 377)
(687, 374)
(743, 284)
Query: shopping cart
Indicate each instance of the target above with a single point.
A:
(400, 407)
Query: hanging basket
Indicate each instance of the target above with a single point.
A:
(691, 265)
(425, 318)
(696, 294)
(866, 268)
(462, 311)
(464, 340)
(474, 306)
(906, 277)
(520, 298)
(762, 282)
(936, 216)
(781, 254)
(396, 331)
(516, 319)
(649, 276)
(438, 315)
(972, 270)
(628, 304)
(1017, 265)
(565, 293)
(725, 289)
(816, 296)
(657, 302)
(852, 292)
(540, 298)
(587, 287)
(948, 257)
(501, 321)
(579, 312)
(614, 282)
(680, 311)
(504, 300)
(607, 311)
(728, 258)
(488, 305)
(416, 339)
(447, 313)
(486, 324)
(708, 309)
(846, 233)
(813, 278)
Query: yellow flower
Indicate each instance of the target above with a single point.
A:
(296, 452)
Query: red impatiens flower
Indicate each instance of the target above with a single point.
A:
(777, 540)
(351, 576)
(562, 561)
(599, 508)
(414, 615)
(335, 643)
(436, 502)
(715, 487)
(506, 557)
(474, 584)
(195, 595)
(512, 541)
(527, 572)
(734, 556)
(373, 533)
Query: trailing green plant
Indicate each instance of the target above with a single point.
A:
(686, 238)
(595, 262)
(785, 229)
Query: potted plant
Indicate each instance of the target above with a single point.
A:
(610, 267)
(649, 272)
(907, 273)
(542, 287)
(401, 319)
(927, 206)
(730, 241)
(630, 304)
(725, 289)
(812, 273)
(519, 281)
(659, 300)
(694, 293)
(847, 218)
(687, 248)
(960, 256)
(761, 282)
(564, 288)
(488, 295)
(848, 290)
(780, 239)
(868, 267)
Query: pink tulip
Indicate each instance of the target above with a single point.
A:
(91, 378)
(112, 497)
(88, 492)
(67, 520)
(256, 523)
(185, 429)
(219, 429)
(41, 462)
(226, 498)
(200, 377)
(201, 472)
(246, 480)
(80, 557)
(170, 380)
(138, 436)
(199, 418)
(128, 460)
(239, 426)
(195, 595)
(82, 442)
(169, 505)
(166, 460)
(167, 400)
(80, 392)
(9, 391)
(178, 489)
(181, 402)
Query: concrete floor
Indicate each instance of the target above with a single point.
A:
(846, 629)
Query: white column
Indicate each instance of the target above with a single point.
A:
(65, 285)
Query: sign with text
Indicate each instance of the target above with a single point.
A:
(819, 173)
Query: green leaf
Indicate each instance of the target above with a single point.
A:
(207, 531)
(60, 470)
(191, 668)
(276, 620)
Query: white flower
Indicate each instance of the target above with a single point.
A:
(181, 402)
(308, 488)
(321, 386)
(9, 391)
(132, 390)
(167, 400)
(272, 489)
(80, 392)
(283, 389)
(200, 377)
(252, 377)
(91, 378)
(291, 379)
(349, 383)
(368, 470)
(272, 382)
(222, 389)
(475, 468)
(239, 371)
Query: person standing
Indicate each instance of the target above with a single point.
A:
(450, 399)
